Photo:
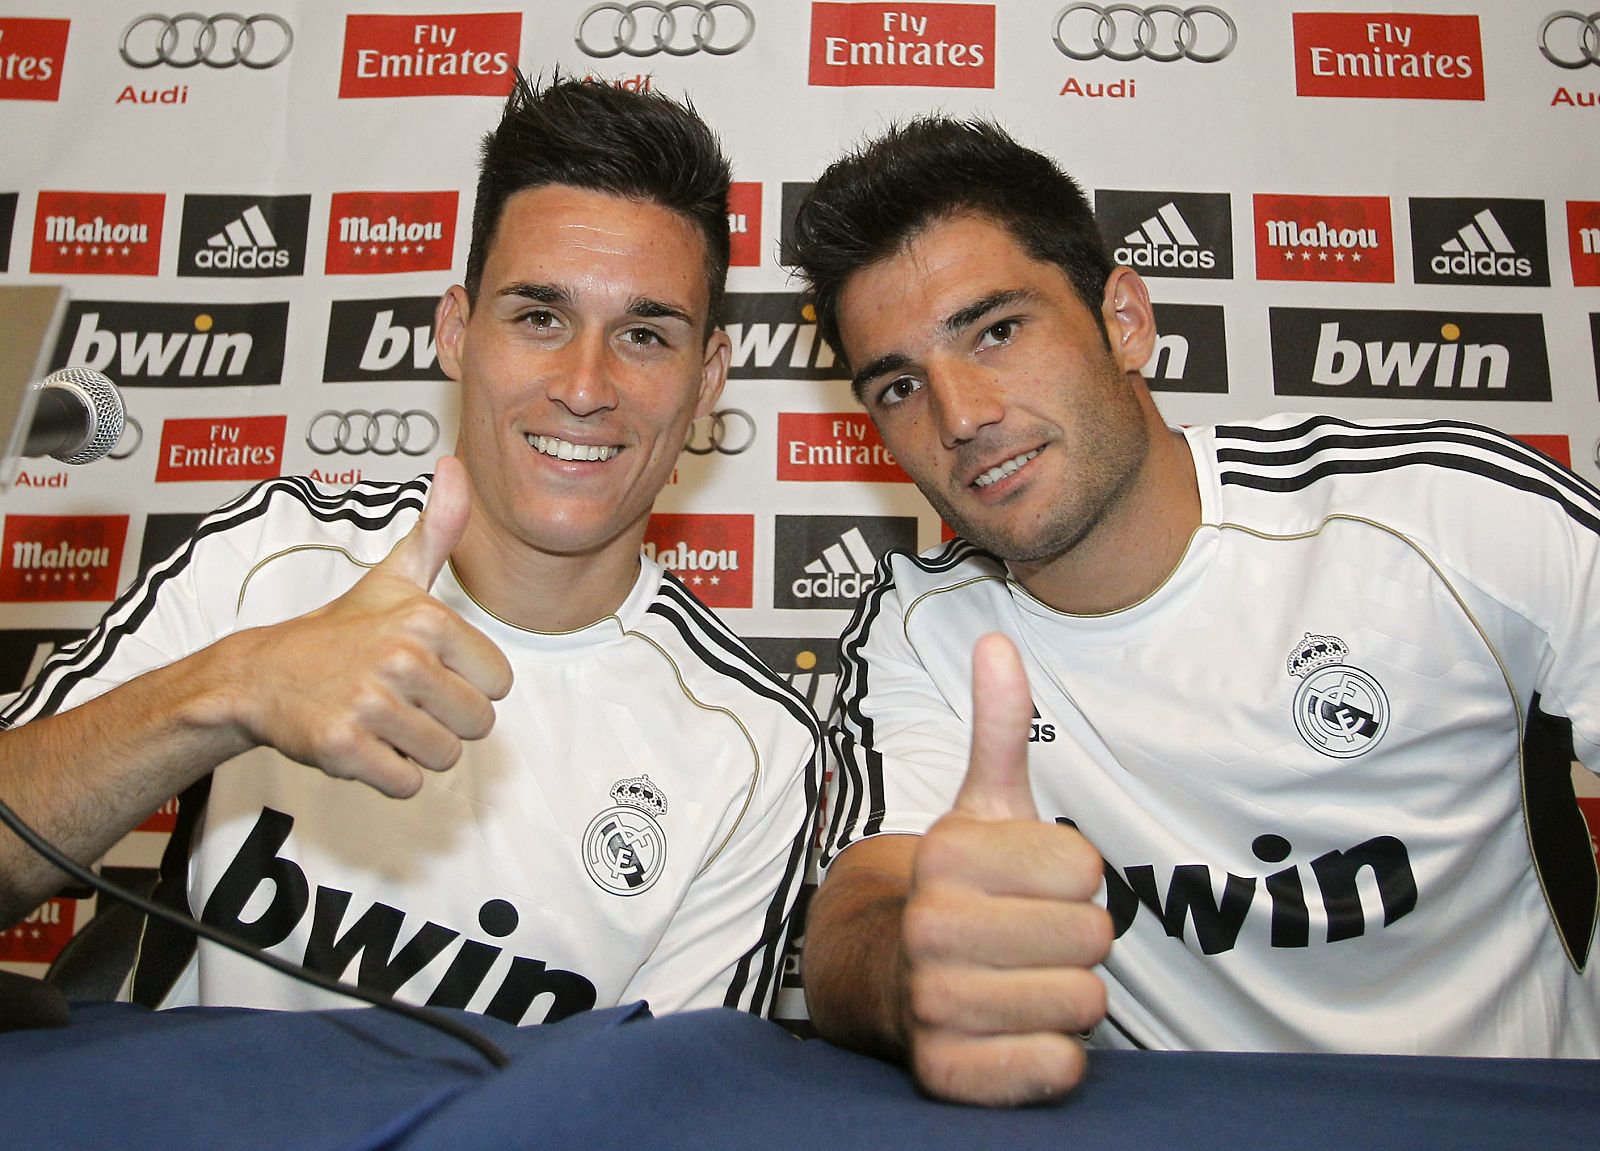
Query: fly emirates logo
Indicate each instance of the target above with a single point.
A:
(911, 45)
(1388, 56)
(466, 54)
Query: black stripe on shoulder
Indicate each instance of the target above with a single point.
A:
(1439, 443)
(861, 787)
(700, 626)
(372, 506)
(702, 631)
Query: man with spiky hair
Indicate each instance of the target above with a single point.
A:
(1252, 737)
(607, 797)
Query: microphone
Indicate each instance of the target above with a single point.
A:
(77, 417)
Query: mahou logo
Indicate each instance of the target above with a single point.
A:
(374, 233)
(236, 448)
(466, 54)
(173, 345)
(1409, 355)
(834, 446)
(910, 45)
(744, 225)
(710, 553)
(1345, 239)
(42, 935)
(98, 233)
(61, 558)
(1583, 241)
(1388, 56)
(31, 54)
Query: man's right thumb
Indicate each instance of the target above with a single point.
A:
(422, 554)
(997, 785)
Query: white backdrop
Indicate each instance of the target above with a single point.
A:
(1368, 214)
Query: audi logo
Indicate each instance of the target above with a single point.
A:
(727, 432)
(1570, 47)
(385, 432)
(1161, 32)
(219, 41)
(665, 33)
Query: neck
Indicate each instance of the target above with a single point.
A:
(539, 591)
(1135, 545)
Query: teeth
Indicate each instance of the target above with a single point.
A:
(1004, 469)
(567, 450)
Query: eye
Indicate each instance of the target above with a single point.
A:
(898, 390)
(998, 334)
(541, 320)
(644, 338)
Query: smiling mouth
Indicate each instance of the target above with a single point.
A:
(567, 450)
(995, 474)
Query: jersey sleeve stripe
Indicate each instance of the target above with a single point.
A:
(370, 509)
(754, 986)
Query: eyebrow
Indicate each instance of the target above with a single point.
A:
(643, 307)
(949, 326)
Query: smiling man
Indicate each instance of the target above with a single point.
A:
(607, 798)
(1250, 737)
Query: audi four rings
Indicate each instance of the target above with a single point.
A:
(384, 432)
(1088, 31)
(715, 433)
(636, 36)
(1566, 46)
(191, 38)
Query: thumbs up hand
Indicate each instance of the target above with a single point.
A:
(383, 681)
(998, 933)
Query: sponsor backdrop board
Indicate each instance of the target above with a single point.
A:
(1373, 214)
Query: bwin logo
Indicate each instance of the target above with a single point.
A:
(775, 337)
(388, 343)
(195, 355)
(259, 874)
(1169, 359)
(1337, 877)
(1340, 361)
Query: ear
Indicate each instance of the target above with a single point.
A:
(714, 371)
(1129, 319)
(450, 318)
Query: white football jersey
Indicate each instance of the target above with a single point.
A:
(1327, 761)
(634, 827)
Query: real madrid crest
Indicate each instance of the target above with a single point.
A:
(624, 848)
(1338, 709)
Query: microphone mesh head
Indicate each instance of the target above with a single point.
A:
(103, 400)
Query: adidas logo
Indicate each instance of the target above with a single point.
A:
(1165, 240)
(842, 570)
(245, 244)
(1481, 248)
(1041, 732)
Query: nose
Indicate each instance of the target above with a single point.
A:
(965, 400)
(582, 381)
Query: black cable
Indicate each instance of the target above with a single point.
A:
(45, 848)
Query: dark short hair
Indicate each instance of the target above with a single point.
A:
(594, 135)
(874, 200)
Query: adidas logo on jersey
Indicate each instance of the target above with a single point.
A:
(1041, 732)
(1481, 248)
(1164, 240)
(246, 243)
